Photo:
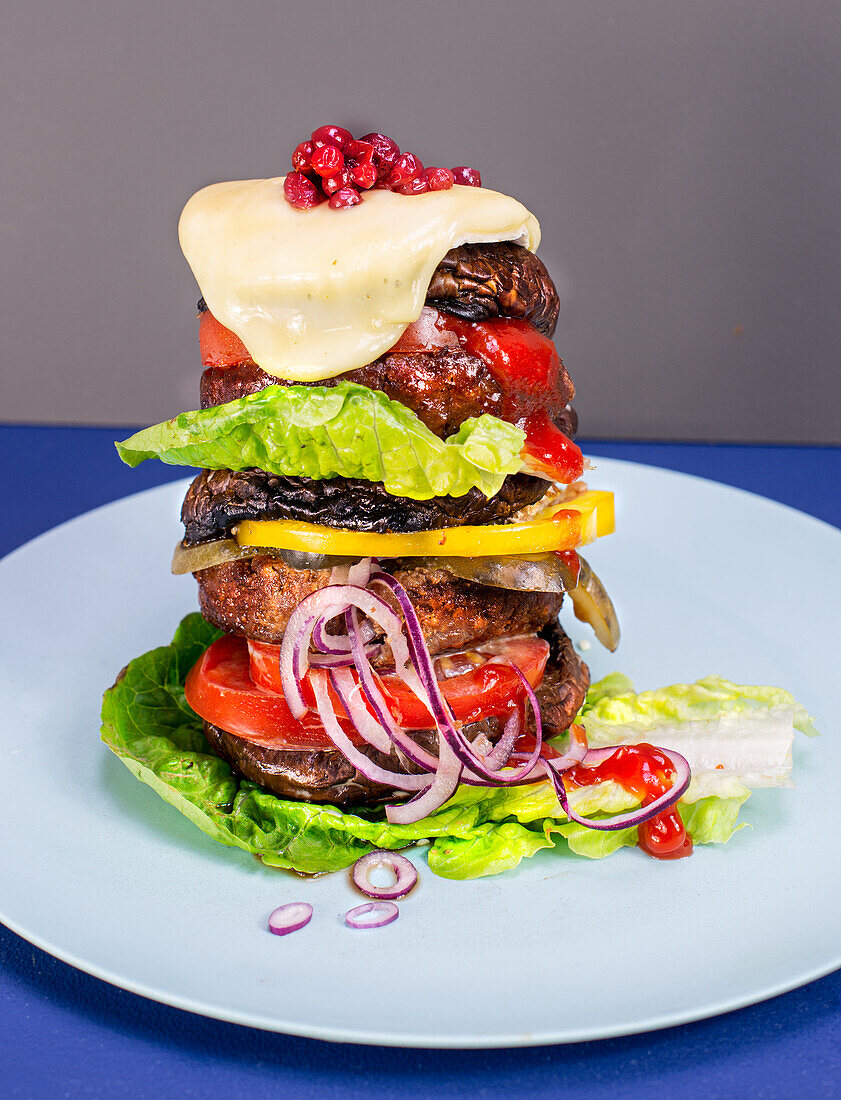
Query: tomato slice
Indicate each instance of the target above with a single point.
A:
(218, 345)
(477, 683)
(219, 688)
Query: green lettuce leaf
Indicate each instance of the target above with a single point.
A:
(708, 821)
(613, 702)
(735, 736)
(344, 430)
(147, 722)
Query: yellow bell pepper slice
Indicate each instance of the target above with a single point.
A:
(576, 522)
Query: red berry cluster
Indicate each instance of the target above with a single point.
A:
(334, 165)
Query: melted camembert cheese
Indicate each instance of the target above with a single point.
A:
(315, 293)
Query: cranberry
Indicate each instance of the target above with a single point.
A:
(386, 153)
(417, 185)
(439, 179)
(361, 152)
(348, 196)
(331, 135)
(302, 156)
(470, 177)
(301, 191)
(363, 174)
(406, 167)
(335, 183)
(328, 160)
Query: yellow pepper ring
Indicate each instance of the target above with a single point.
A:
(579, 521)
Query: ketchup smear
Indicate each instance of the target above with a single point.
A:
(647, 773)
(524, 364)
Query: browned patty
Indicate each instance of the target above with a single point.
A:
(325, 775)
(443, 388)
(256, 597)
(219, 499)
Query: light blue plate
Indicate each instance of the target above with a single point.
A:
(97, 870)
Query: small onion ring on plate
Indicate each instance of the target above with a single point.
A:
(380, 913)
(290, 917)
(405, 875)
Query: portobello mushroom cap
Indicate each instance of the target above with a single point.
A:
(480, 281)
(217, 500)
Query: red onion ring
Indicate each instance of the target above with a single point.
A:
(443, 786)
(380, 912)
(343, 743)
(364, 722)
(405, 875)
(458, 760)
(437, 705)
(371, 690)
(325, 603)
(633, 817)
(500, 754)
(290, 917)
(577, 750)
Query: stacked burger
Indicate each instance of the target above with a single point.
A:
(391, 501)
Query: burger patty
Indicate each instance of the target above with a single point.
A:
(326, 775)
(217, 500)
(255, 598)
(443, 388)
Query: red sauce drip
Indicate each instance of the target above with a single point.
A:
(524, 362)
(548, 449)
(526, 368)
(571, 560)
(647, 773)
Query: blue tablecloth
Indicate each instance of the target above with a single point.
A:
(63, 1033)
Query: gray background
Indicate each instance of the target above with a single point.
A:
(683, 159)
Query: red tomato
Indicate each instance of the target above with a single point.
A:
(219, 346)
(476, 684)
(219, 688)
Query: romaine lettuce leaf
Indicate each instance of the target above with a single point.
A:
(344, 430)
(735, 736)
(147, 722)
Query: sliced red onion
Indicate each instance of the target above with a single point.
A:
(326, 603)
(330, 660)
(457, 760)
(373, 914)
(343, 743)
(405, 875)
(437, 705)
(360, 573)
(371, 690)
(634, 817)
(499, 756)
(289, 918)
(578, 749)
(349, 691)
(446, 780)
(338, 643)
